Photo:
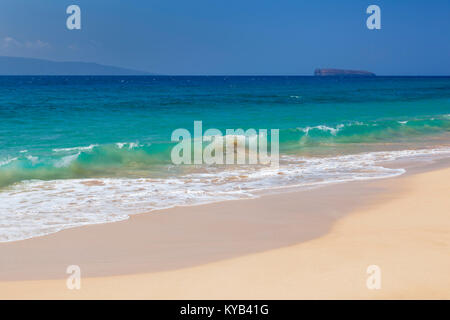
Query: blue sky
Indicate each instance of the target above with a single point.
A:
(217, 37)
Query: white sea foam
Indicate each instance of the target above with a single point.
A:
(66, 161)
(333, 131)
(120, 145)
(36, 208)
(33, 159)
(131, 145)
(6, 161)
(92, 146)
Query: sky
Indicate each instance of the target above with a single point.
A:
(234, 37)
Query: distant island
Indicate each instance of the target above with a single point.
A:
(342, 72)
(14, 66)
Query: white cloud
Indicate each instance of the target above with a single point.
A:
(36, 44)
(10, 42)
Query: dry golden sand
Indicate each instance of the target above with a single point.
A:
(407, 234)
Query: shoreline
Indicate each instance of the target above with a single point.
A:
(191, 241)
(37, 208)
(185, 236)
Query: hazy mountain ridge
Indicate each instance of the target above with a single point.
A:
(30, 66)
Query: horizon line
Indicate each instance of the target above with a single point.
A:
(218, 75)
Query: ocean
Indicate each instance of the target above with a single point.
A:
(84, 150)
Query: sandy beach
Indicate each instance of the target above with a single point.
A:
(314, 244)
(182, 152)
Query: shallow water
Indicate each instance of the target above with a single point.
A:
(85, 150)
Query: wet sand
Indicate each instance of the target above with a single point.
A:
(304, 244)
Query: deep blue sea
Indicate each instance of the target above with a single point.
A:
(84, 150)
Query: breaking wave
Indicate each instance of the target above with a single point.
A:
(38, 207)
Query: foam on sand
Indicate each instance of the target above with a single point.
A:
(36, 207)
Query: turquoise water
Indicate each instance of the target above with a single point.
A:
(81, 150)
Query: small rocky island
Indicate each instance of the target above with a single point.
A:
(342, 73)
